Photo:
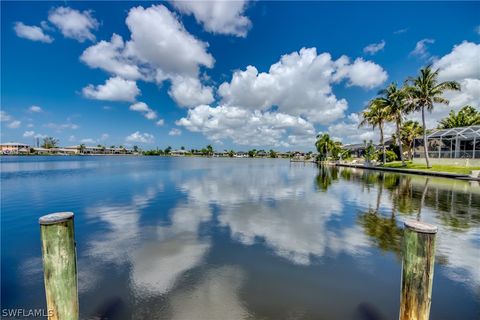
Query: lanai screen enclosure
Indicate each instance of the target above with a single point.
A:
(461, 142)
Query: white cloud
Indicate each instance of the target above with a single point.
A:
(463, 65)
(28, 134)
(35, 109)
(109, 56)
(300, 84)
(374, 47)
(400, 31)
(114, 89)
(175, 132)
(477, 29)
(4, 116)
(144, 109)
(14, 124)
(73, 23)
(189, 91)
(160, 49)
(463, 62)
(246, 127)
(361, 73)
(160, 122)
(222, 17)
(61, 126)
(33, 33)
(421, 48)
(104, 137)
(138, 137)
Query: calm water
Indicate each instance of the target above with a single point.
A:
(194, 238)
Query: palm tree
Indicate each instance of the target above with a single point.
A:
(82, 148)
(209, 150)
(325, 145)
(408, 132)
(394, 100)
(425, 90)
(467, 116)
(375, 115)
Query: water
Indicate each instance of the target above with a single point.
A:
(196, 238)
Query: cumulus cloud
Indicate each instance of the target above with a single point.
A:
(222, 17)
(138, 137)
(421, 48)
(73, 23)
(360, 73)
(175, 132)
(114, 89)
(35, 109)
(109, 56)
(160, 122)
(374, 47)
(159, 49)
(144, 109)
(246, 127)
(462, 65)
(14, 124)
(33, 33)
(463, 62)
(300, 84)
(88, 140)
(189, 91)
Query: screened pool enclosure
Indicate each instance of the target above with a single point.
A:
(454, 143)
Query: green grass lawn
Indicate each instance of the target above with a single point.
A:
(435, 167)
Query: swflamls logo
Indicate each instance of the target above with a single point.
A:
(26, 313)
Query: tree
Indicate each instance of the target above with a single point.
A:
(231, 153)
(424, 91)
(252, 153)
(209, 150)
(82, 148)
(273, 154)
(135, 148)
(396, 103)
(325, 146)
(112, 147)
(167, 150)
(182, 148)
(369, 151)
(408, 132)
(375, 115)
(49, 142)
(467, 116)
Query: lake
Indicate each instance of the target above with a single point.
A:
(198, 238)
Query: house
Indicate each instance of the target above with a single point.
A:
(179, 153)
(240, 154)
(448, 146)
(14, 148)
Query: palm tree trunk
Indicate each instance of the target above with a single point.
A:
(425, 141)
(400, 143)
(382, 143)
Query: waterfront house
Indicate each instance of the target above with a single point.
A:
(14, 148)
(240, 154)
(450, 146)
(179, 153)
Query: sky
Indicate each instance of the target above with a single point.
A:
(237, 74)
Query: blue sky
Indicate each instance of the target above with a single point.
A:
(176, 73)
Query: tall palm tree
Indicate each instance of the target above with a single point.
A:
(424, 91)
(324, 145)
(375, 115)
(394, 99)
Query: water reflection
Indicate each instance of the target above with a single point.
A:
(206, 238)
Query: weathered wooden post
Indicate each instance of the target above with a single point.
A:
(59, 265)
(417, 270)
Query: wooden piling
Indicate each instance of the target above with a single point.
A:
(59, 265)
(417, 270)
